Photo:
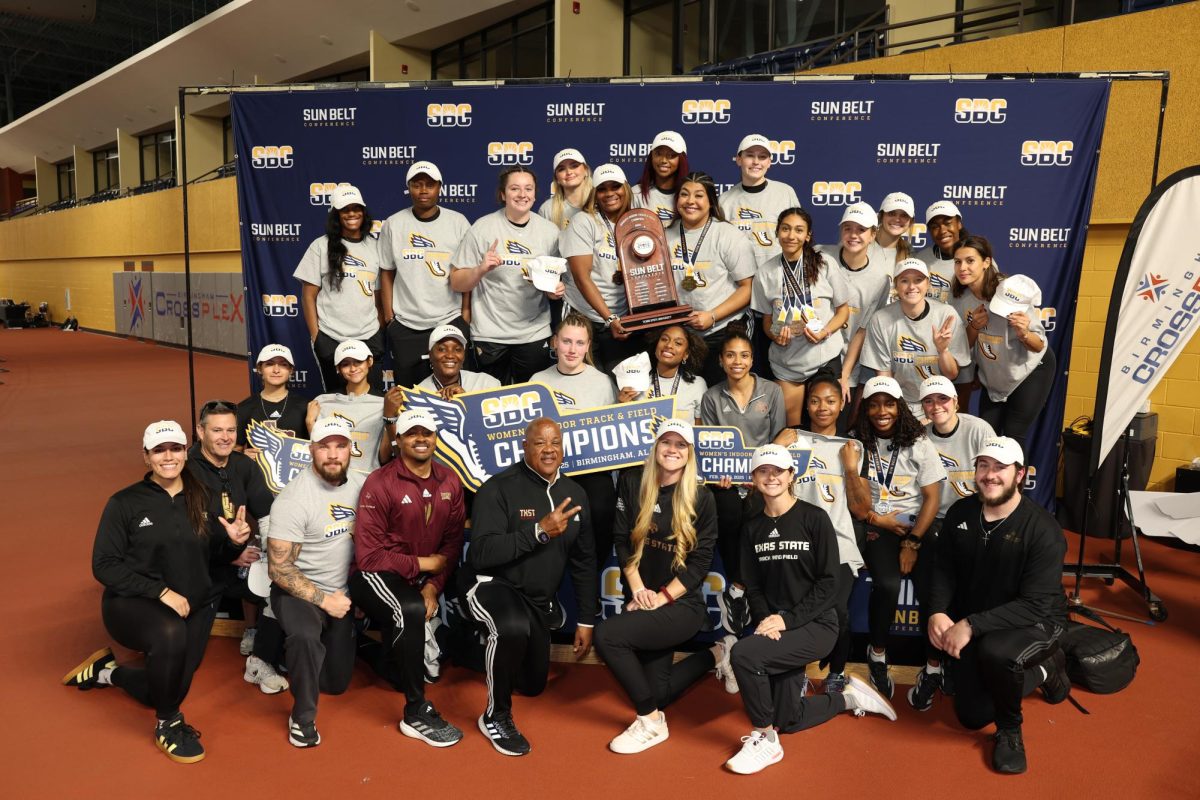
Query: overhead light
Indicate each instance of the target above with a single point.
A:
(412, 5)
(326, 39)
(280, 58)
(152, 109)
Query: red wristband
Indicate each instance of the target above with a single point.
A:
(666, 594)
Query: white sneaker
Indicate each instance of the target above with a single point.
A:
(247, 644)
(260, 672)
(724, 668)
(757, 753)
(643, 734)
(863, 698)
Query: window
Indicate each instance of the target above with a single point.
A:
(107, 169)
(66, 179)
(158, 155)
(519, 47)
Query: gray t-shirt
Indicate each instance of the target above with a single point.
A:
(773, 296)
(364, 412)
(723, 258)
(869, 288)
(658, 201)
(760, 421)
(470, 381)
(1000, 361)
(687, 395)
(546, 211)
(592, 235)
(320, 517)
(590, 388)
(505, 307)
(905, 346)
(941, 272)
(755, 213)
(348, 312)
(957, 452)
(918, 466)
(824, 485)
(419, 251)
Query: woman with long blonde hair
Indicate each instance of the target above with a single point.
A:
(665, 531)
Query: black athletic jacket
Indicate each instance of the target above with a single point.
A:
(1014, 581)
(790, 564)
(145, 543)
(657, 566)
(240, 478)
(503, 544)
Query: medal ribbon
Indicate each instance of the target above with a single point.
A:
(885, 480)
(689, 260)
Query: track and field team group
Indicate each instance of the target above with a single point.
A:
(874, 350)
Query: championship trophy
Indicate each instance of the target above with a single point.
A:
(646, 272)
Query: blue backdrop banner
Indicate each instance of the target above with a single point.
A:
(1018, 157)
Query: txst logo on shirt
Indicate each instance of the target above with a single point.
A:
(528, 513)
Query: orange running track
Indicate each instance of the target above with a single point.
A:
(72, 409)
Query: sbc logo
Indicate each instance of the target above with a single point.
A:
(448, 115)
(706, 112)
(917, 238)
(1046, 153)
(836, 193)
(980, 110)
(1048, 316)
(279, 305)
(782, 152)
(1030, 478)
(506, 154)
(319, 192)
(271, 156)
(716, 440)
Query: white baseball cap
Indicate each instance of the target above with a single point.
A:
(346, 195)
(325, 427)
(669, 139)
(415, 418)
(942, 208)
(568, 154)
(1002, 449)
(884, 384)
(446, 332)
(754, 140)
(608, 172)
(161, 432)
(938, 384)
(275, 351)
(1015, 293)
(424, 168)
(862, 213)
(910, 263)
(775, 455)
(899, 201)
(351, 348)
(672, 425)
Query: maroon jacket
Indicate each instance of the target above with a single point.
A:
(390, 534)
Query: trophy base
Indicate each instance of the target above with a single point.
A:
(659, 318)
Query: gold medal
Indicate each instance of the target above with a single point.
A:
(689, 284)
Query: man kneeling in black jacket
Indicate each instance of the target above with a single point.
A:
(997, 602)
(527, 523)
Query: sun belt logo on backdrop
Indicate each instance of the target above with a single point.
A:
(628, 152)
(1049, 318)
(459, 192)
(1151, 287)
(980, 110)
(1046, 153)
(575, 112)
(1039, 238)
(271, 156)
(907, 152)
(280, 305)
(782, 151)
(319, 191)
(507, 154)
(448, 115)
(836, 193)
(337, 117)
(841, 110)
(706, 112)
(974, 194)
(391, 155)
(275, 231)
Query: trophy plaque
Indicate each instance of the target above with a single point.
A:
(646, 272)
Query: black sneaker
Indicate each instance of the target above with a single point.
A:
(180, 741)
(426, 724)
(83, 677)
(303, 734)
(1009, 755)
(1057, 684)
(502, 732)
(880, 678)
(835, 683)
(735, 611)
(920, 696)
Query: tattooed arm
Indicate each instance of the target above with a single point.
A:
(281, 567)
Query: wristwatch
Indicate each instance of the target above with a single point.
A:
(611, 319)
(539, 534)
(391, 420)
